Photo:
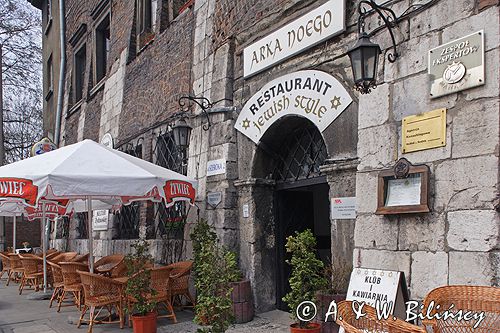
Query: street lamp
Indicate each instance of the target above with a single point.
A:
(364, 54)
(181, 133)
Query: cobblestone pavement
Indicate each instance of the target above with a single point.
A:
(18, 314)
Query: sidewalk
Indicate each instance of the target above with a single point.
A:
(20, 315)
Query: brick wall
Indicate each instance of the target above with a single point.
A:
(26, 231)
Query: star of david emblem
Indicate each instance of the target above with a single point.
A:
(336, 102)
(246, 123)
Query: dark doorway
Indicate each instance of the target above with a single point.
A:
(299, 208)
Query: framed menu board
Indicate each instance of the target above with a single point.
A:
(403, 189)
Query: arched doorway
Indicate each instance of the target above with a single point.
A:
(291, 153)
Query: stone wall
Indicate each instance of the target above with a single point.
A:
(458, 242)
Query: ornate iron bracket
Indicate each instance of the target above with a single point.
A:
(389, 18)
(203, 102)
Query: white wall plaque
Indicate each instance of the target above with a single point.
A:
(313, 28)
(100, 220)
(311, 94)
(216, 167)
(457, 65)
(214, 199)
(107, 140)
(246, 211)
(343, 208)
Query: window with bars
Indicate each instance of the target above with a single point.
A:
(81, 226)
(169, 222)
(127, 220)
(303, 152)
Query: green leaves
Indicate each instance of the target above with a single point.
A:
(139, 283)
(306, 278)
(214, 268)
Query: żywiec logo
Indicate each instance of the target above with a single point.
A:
(178, 189)
(306, 311)
(18, 188)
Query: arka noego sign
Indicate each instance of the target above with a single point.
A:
(314, 95)
(311, 29)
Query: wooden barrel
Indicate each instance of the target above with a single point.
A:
(242, 302)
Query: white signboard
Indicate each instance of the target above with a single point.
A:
(246, 211)
(100, 220)
(216, 167)
(313, 28)
(379, 288)
(311, 94)
(214, 198)
(344, 208)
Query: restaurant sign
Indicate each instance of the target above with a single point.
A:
(311, 94)
(457, 65)
(311, 29)
(100, 219)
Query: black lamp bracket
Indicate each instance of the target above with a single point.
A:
(204, 103)
(386, 14)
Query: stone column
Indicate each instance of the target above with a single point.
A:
(257, 240)
(341, 177)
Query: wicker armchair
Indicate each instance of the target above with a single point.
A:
(58, 282)
(475, 299)
(33, 272)
(16, 268)
(370, 323)
(101, 292)
(111, 265)
(63, 257)
(4, 257)
(180, 274)
(84, 258)
(71, 282)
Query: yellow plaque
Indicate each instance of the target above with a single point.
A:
(424, 131)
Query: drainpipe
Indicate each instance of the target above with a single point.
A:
(62, 72)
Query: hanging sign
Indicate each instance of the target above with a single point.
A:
(216, 167)
(19, 188)
(311, 94)
(343, 208)
(378, 288)
(100, 220)
(313, 28)
(457, 65)
(43, 146)
(424, 131)
(107, 140)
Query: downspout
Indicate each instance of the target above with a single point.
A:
(62, 71)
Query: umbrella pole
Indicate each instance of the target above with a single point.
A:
(91, 238)
(44, 220)
(14, 234)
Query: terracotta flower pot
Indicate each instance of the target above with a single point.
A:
(144, 324)
(311, 328)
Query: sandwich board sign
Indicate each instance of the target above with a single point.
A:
(379, 288)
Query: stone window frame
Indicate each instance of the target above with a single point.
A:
(49, 75)
(101, 13)
(78, 42)
(48, 16)
(145, 22)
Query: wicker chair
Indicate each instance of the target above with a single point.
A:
(180, 274)
(369, 323)
(161, 282)
(475, 299)
(110, 266)
(84, 258)
(71, 282)
(101, 292)
(33, 272)
(58, 282)
(63, 257)
(16, 268)
(4, 256)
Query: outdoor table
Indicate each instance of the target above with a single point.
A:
(24, 250)
(106, 268)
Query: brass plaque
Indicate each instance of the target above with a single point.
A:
(457, 65)
(424, 131)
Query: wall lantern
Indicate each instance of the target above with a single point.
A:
(181, 132)
(364, 54)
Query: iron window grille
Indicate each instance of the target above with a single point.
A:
(304, 151)
(127, 220)
(169, 222)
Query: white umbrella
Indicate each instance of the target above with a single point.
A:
(89, 171)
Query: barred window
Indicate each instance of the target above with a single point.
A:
(81, 226)
(127, 221)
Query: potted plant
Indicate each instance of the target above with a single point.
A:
(213, 269)
(139, 291)
(306, 278)
(241, 296)
(337, 275)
